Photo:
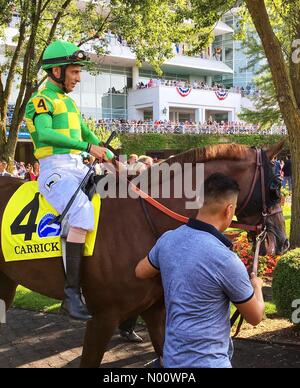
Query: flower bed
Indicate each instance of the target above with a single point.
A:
(243, 248)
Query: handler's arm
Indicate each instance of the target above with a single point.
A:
(253, 309)
(145, 269)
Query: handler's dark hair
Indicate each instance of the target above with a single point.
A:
(219, 186)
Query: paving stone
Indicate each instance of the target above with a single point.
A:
(52, 341)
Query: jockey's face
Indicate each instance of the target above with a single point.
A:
(72, 77)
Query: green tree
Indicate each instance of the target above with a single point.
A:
(39, 22)
(281, 46)
(266, 112)
(149, 30)
(277, 23)
(103, 133)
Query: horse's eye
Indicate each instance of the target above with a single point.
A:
(275, 184)
(274, 188)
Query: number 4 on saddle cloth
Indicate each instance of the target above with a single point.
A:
(25, 230)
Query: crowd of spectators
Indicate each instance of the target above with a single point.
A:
(186, 127)
(201, 85)
(135, 164)
(181, 127)
(28, 172)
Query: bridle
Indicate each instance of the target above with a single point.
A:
(266, 210)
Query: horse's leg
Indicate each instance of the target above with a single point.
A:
(155, 321)
(98, 332)
(7, 290)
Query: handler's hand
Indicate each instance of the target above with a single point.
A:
(256, 282)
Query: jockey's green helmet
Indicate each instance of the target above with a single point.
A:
(62, 53)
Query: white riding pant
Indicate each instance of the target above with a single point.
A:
(59, 178)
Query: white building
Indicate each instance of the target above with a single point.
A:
(114, 94)
(185, 92)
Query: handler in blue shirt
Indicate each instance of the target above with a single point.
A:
(201, 276)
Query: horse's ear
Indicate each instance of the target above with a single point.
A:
(275, 149)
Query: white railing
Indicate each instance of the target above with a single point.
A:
(181, 128)
(195, 85)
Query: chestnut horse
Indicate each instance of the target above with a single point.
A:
(112, 292)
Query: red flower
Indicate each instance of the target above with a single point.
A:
(243, 249)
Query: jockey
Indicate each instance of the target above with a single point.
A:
(59, 135)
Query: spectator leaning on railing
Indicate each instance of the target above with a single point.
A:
(167, 126)
(195, 84)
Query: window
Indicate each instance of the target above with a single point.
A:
(104, 96)
(87, 90)
(148, 115)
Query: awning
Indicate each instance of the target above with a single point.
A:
(193, 65)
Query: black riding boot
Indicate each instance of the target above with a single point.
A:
(72, 303)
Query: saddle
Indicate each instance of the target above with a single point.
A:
(28, 231)
(90, 188)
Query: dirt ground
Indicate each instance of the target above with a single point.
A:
(32, 340)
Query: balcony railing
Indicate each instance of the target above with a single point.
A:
(197, 85)
(182, 128)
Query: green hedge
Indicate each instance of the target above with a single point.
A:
(286, 283)
(143, 143)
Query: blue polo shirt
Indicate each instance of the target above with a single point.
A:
(200, 276)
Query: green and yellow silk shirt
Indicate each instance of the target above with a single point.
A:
(55, 123)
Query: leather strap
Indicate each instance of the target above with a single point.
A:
(159, 206)
(233, 319)
(149, 219)
(257, 167)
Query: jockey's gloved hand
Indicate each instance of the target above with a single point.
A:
(97, 151)
(109, 155)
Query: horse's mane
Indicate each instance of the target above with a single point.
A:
(211, 152)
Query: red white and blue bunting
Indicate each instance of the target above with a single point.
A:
(221, 94)
(183, 91)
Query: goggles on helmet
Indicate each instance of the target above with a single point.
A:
(77, 56)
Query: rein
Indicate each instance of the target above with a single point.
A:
(258, 228)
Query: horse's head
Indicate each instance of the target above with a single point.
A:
(261, 206)
(258, 205)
